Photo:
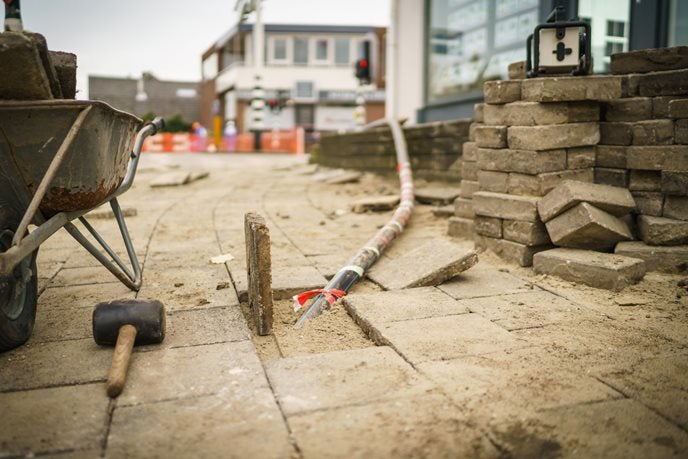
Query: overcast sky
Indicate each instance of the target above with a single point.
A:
(167, 37)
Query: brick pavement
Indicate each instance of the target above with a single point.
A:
(498, 362)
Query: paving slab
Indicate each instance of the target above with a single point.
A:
(535, 113)
(378, 203)
(564, 89)
(437, 195)
(211, 426)
(429, 264)
(174, 178)
(502, 91)
(36, 423)
(427, 426)
(587, 227)
(25, 75)
(443, 338)
(675, 207)
(484, 280)
(541, 184)
(548, 137)
(630, 430)
(536, 380)
(461, 227)
(488, 226)
(649, 60)
(206, 326)
(596, 269)
(675, 183)
(628, 109)
(192, 372)
(524, 310)
(396, 305)
(445, 211)
(491, 136)
(616, 201)
(649, 202)
(616, 133)
(662, 231)
(345, 378)
(640, 180)
(668, 259)
(528, 233)
(510, 251)
(346, 177)
(65, 67)
(506, 206)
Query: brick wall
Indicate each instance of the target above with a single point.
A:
(434, 149)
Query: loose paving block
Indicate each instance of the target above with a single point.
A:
(24, 76)
(395, 305)
(65, 67)
(580, 158)
(640, 180)
(587, 227)
(616, 134)
(675, 207)
(364, 431)
(674, 182)
(611, 156)
(541, 184)
(523, 161)
(661, 157)
(488, 226)
(599, 270)
(681, 132)
(660, 106)
(662, 231)
(649, 60)
(375, 203)
(479, 113)
(469, 170)
(649, 202)
(430, 264)
(535, 113)
(484, 280)
(106, 213)
(616, 201)
(678, 108)
(495, 182)
(611, 177)
(463, 208)
(501, 91)
(471, 130)
(461, 227)
(345, 177)
(511, 251)
(344, 378)
(491, 136)
(174, 178)
(563, 89)
(470, 151)
(206, 326)
(668, 259)
(528, 233)
(259, 271)
(653, 132)
(631, 109)
(517, 70)
(437, 195)
(444, 211)
(469, 188)
(37, 421)
(673, 82)
(553, 136)
(505, 206)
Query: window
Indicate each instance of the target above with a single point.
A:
(279, 49)
(301, 51)
(341, 51)
(615, 29)
(321, 50)
(304, 90)
(613, 48)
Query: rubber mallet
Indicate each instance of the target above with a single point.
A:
(125, 323)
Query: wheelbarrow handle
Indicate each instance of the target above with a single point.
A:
(158, 123)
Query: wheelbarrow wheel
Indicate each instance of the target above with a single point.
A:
(18, 291)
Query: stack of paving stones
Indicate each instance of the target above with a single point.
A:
(461, 224)
(644, 147)
(434, 149)
(536, 134)
(31, 72)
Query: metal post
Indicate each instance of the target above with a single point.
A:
(258, 93)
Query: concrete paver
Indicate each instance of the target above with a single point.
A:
(496, 362)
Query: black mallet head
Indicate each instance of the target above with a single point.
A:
(147, 316)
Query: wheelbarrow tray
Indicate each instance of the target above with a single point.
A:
(95, 162)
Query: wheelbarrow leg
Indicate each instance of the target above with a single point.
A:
(121, 271)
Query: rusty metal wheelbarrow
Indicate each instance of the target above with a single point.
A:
(59, 159)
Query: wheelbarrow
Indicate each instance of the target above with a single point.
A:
(59, 159)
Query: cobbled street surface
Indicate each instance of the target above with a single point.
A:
(497, 362)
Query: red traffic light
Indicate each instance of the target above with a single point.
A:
(363, 63)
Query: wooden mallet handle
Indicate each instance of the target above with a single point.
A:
(120, 360)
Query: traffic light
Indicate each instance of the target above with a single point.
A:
(363, 72)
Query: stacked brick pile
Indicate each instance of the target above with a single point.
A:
(31, 72)
(434, 150)
(537, 133)
(461, 224)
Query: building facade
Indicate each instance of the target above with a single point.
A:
(308, 76)
(467, 42)
(147, 94)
